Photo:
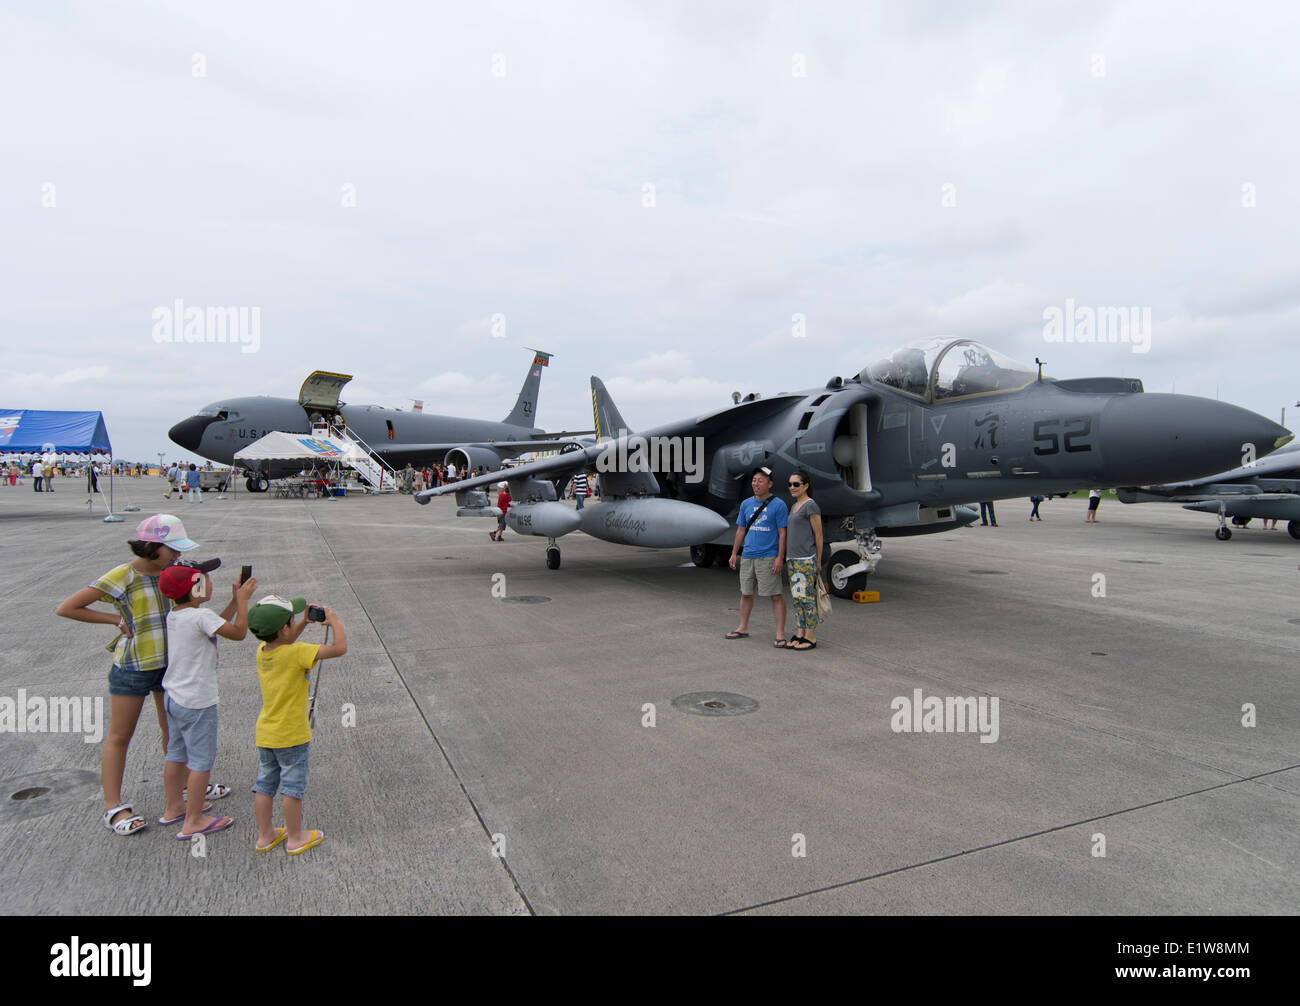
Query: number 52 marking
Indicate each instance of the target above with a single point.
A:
(1046, 440)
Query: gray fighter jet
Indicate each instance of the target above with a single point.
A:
(218, 430)
(1268, 488)
(896, 450)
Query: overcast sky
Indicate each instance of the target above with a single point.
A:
(652, 192)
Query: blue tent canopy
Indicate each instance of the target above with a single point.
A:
(29, 431)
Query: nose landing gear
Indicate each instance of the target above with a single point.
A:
(1224, 532)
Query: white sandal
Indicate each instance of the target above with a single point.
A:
(123, 827)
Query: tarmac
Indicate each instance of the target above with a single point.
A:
(485, 754)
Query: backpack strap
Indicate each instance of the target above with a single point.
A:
(757, 513)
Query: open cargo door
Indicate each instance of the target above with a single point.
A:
(320, 392)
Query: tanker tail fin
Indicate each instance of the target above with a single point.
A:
(525, 411)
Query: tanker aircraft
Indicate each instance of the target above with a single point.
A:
(895, 450)
(218, 430)
(1268, 488)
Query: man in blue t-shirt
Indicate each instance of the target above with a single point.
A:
(763, 555)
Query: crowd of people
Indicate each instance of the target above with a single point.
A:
(43, 471)
(167, 648)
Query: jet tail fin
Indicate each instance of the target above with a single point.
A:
(525, 411)
(609, 421)
(615, 480)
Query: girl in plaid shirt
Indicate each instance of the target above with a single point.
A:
(139, 652)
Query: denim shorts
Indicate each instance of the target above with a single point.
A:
(191, 735)
(136, 684)
(283, 769)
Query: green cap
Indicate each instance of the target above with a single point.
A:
(272, 613)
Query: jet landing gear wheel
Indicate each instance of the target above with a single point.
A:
(257, 483)
(702, 555)
(1224, 532)
(552, 554)
(1293, 528)
(839, 584)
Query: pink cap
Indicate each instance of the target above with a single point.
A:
(165, 529)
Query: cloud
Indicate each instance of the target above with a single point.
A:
(669, 364)
(479, 328)
(35, 381)
(454, 384)
(1258, 296)
(514, 187)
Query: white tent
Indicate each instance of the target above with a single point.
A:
(290, 447)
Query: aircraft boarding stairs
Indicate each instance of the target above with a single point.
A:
(358, 456)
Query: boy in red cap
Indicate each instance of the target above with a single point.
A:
(191, 687)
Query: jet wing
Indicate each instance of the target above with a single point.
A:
(1283, 460)
(609, 421)
(398, 454)
(1278, 506)
(553, 467)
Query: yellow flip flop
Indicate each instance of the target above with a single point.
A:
(316, 838)
(280, 835)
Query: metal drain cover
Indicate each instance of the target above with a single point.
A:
(990, 572)
(527, 599)
(715, 703)
(24, 797)
(1144, 562)
(1097, 653)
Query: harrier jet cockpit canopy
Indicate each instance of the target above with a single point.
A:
(942, 369)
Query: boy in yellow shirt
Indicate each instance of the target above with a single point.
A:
(283, 733)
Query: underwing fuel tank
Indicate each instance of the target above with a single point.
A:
(654, 523)
(549, 519)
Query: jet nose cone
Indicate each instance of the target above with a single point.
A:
(1148, 439)
(189, 432)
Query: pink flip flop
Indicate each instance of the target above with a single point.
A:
(220, 824)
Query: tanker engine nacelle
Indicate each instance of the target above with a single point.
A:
(466, 459)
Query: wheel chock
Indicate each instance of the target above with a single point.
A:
(865, 596)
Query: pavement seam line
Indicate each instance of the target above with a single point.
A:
(1070, 719)
(420, 709)
(1002, 842)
